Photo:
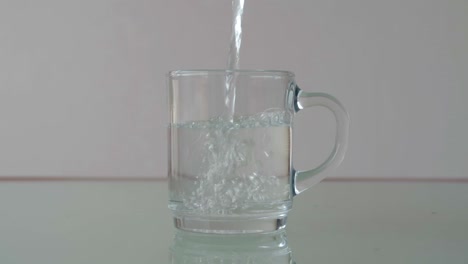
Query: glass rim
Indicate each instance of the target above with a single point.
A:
(206, 72)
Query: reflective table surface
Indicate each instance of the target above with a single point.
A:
(334, 222)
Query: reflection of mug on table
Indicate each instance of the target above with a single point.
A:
(271, 248)
(235, 175)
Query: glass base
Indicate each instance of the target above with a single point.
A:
(230, 226)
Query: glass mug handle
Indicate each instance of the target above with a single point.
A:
(303, 180)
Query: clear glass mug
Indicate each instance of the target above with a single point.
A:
(235, 175)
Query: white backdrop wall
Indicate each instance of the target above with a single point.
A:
(82, 85)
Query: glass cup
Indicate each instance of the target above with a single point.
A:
(230, 155)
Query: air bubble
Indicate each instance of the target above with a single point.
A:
(231, 174)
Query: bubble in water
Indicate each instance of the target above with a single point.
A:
(236, 169)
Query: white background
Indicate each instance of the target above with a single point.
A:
(82, 83)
